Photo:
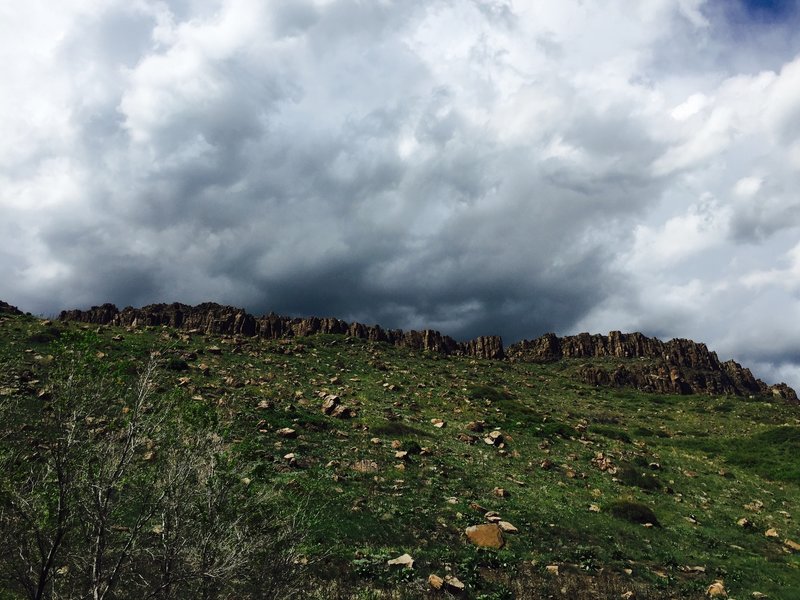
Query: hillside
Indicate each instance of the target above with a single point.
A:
(175, 452)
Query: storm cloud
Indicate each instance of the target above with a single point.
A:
(475, 166)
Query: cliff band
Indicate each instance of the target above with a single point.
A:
(678, 366)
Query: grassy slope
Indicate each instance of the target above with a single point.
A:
(716, 455)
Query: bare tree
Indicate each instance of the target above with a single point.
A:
(37, 494)
(105, 491)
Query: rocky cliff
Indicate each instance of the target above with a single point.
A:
(226, 320)
(677, 366)
(6, 308)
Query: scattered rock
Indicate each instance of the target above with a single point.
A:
(494, 438)
(500, 492)
(793, 546)
(287, 432)
(365, 466)
(771, 533)
(329, 404)
(486, 536)
(745, 523)
(552, 569)
(437, 423)
(717, 590)
(403, 560)
(696, 570)
(453, 584)
(594, 508)
(333, 407)
(435, 581)
(507, 527)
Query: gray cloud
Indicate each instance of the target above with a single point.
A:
(474, 166)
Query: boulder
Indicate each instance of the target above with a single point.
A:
(717, 590)
(488, 535)
(404, 560)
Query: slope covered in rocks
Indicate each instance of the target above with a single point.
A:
(331, 465)
(678, 366)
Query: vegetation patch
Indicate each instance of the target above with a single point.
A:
(634, 512)
(557, 430)
(635, 476)
(612, 433)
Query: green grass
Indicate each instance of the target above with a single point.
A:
(688, 464)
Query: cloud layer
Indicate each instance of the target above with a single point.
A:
(477, 166)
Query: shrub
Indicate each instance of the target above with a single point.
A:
(485, 392)
(176, 364)
(630, 475)
(612, 433)
(634, 512)
(556, 429)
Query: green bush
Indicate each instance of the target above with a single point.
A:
(630, 475)
(634, 512)
(612, 433)
(556, 429)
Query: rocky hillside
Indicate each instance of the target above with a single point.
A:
(626, 360)
(211, 318)
(6, 308)
(678, 366)
(264, 462)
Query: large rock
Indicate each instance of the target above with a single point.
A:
(7, 309)
(488, 535)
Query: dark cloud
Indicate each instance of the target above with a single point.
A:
(474, 166)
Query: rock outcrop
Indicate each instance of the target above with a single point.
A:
(7, 309)
(217, 319)
(678, 366)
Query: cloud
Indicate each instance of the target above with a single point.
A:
(472, 165)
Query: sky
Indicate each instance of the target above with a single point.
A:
(475, 166)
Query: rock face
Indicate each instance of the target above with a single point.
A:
(678, 366)
(217, 319)
(7, 309)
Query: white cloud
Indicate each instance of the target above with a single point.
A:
(748, 186)
(682, 237)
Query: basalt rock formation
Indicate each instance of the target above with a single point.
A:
(6, 308)
(677, 366)
(217, 319)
